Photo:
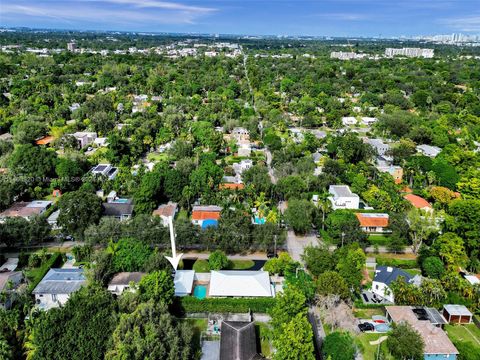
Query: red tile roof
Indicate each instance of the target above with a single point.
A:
(231, 186)
(205, 215)
(417, 201)
(45, 140)
(376, 220)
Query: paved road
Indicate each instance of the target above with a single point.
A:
(296, 244)
(268, 154)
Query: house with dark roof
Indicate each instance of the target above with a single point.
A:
(238, 341)
(121, 209)
(56, 287)
(122, 281)
(384, 276)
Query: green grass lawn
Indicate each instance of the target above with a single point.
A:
(367, 313)
(369, 351)
(201, 266)
(464, 333)
(240, 264)
(156, 157)
(264, 337)
(377, 239)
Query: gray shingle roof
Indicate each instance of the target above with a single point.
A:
(61, 281)
(238, 341)
(387, 274)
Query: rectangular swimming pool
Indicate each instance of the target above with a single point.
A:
(200, 291)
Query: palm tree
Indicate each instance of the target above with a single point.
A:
(261, 203)
(324, 205)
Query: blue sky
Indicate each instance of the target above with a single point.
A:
(276, 17)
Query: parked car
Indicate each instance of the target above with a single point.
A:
(366, 327)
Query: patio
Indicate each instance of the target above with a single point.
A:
(370, 298)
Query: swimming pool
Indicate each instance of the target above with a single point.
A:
(200, 291)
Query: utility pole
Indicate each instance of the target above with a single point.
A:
(275, 246)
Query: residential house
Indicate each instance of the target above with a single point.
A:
(166, 212)
(55, 288)
(319, 134)
(234, 283)
(240, 134)
(296, 134)
(106, 170)
(384, 276)
(342, 198)
(9, 282)
(418, 202)
(428, 150)
(378, 144)
(395, 171)
(373, 222)
(123, 281)
(121, 209)
(238, 341)
(206, 216)
(349, 120)
(243, 165)
(100, 142)
(437, 345)
(45, 140)
(368, 121)
(317, 157)
(52, 219)
(231, 183)
(183, 282)
(84, 138)
(74, 106)
(25, 209)
(457, 314)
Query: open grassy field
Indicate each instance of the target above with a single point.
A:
(368, 313)
(201, 266)
(464, 333)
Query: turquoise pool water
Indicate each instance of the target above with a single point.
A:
(200, 291)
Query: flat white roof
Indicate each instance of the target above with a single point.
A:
(458, 310)
(240, 284)
(472, 279)
(183, 282)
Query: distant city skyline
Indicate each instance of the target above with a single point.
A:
(366, 18)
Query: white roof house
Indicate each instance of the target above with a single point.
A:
(183, 282)
(233, 283)
(428, 150)
(378, 145)
(369, 120)
(343, 198)
(349, 120)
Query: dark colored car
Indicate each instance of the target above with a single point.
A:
(270, 254)
(366, 327)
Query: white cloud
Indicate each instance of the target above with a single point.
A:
(465, 23)
(109, 11)
(343, 16)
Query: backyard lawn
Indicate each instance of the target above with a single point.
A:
(464, 333)
(380, 240)
(240, 264)
(368, 313)
(369, 351)
(201, 266)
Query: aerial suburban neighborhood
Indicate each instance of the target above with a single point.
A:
(237, 197)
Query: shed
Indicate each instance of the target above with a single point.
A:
(457, 314)
(238, 341)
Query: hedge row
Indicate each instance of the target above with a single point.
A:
(190, 304)
(37, 274)
(400, 263)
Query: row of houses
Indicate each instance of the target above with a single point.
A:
(56, 287)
